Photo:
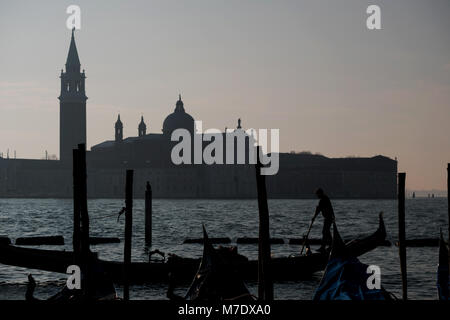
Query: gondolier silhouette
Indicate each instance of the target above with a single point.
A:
(326, 208)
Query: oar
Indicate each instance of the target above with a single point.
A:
(305, 238)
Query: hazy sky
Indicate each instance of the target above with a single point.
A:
(310, 68)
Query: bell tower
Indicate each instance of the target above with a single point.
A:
(118, 137)
(72, 105)
(142, 128)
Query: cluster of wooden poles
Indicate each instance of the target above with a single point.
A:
(81, 225)
(81, 219)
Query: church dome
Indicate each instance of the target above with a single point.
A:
(179, 119)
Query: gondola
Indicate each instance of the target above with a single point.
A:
(443, 281)
(98, 287)
(283, 268)
(216, 280)
(346, 278)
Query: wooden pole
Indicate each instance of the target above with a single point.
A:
(265, 285)
(448, 205)
(76, 208)
(83, 199)
(84, 219)
(402, 232)
(148, 215)
(128, 233)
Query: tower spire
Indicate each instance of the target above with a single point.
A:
(118, 129)
(142, 128)
(73, 61)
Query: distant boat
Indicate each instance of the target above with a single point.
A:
(345, 277)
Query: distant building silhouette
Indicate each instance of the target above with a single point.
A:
(149, 155)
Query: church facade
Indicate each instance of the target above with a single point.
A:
(149, 154)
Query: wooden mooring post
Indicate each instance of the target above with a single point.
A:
(76, 208)
(402, 233)
(265, 284)
(148, 215)
(84, 221)
(128, 233)
(84, 215)
(80, 240)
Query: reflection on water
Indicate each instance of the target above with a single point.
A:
(175, 220)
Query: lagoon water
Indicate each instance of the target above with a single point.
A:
(175, 220)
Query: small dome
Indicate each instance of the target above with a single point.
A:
(179, 119)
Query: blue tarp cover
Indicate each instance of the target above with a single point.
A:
(346, 279)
